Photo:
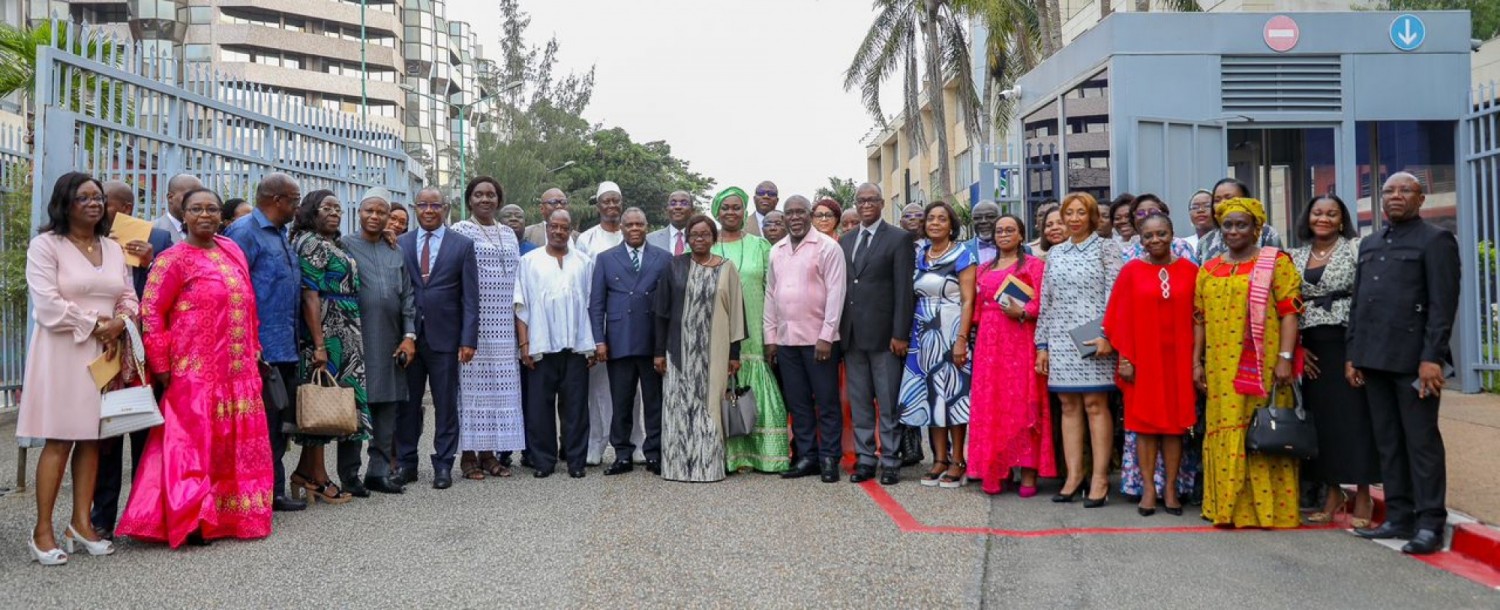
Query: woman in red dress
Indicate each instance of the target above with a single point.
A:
(1150, 322)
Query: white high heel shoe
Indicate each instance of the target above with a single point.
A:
(101, 547)
(54, 557)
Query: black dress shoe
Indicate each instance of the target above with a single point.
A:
(408, 476)
(285, 504)
(577, 473)
(385, 485)
(1425, 542)
(104, 533)
(618, 467)
(830, 467)
(862, 474)
(801, 468)
(890, 476)
(1386, 531)
(442, 480)
(526, 460)
(196, 539)
(542, 474)
(357, 489)
(653, 466)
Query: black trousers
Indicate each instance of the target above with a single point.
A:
(559, 392)
(111, 470)
(274, 421)
(1413, 464)
(811, 390)
(624, 375)
(441, 370)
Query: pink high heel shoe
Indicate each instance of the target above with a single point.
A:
(1026, 491)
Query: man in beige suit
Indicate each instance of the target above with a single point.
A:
(552, 199)
(766, 198)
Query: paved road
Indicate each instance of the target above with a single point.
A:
(751, 541)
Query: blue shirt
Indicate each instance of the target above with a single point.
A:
(277, 281)
(437, 244)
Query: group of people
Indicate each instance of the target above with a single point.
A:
(565, 346)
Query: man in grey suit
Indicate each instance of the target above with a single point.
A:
(552, 199)
(879, 280)
(620, 307)
(171, 220)
(672, 237)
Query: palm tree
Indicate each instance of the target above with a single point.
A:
(839, 189)
(892, 44)
(18, 63)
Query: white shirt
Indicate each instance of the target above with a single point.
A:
(553, 301)
(598, 239)
(172, 226)
(672, 233)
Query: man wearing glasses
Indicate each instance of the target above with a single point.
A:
(553, 199)
(880, 259)
(766, 198)
(672, 237)
(911, 219)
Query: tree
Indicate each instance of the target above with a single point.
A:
(1484, 15)
(840, 189)
(891, 44)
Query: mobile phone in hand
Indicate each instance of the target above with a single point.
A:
(401, 359)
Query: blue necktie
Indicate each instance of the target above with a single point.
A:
(635, 259)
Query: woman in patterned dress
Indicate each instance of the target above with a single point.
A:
(1080, 273)
(768, 449)
(1243, 489)
(489, 386)
(330, 335)
(1010, 424)
(1131, 483)
(700, 323)
(935, 381)
(206, 472)
(1346, 438)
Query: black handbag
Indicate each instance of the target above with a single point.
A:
(739, 410)
(1281, 431)
(272, 387)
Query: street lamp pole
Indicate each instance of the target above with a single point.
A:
(463, 127)
(364, 69)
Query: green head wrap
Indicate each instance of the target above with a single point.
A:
(732, 191)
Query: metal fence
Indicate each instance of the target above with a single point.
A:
(15, 222)
(120, 112)
(1479, 330)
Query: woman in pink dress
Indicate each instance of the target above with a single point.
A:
(206, 473)
(82, 298)
(1009, 424)
(1008, 421)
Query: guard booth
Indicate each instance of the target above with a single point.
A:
(1292, 104)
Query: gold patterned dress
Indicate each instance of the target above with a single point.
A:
(1242, 489)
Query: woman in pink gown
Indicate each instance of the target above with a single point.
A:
(1009, 425)
(206, 473)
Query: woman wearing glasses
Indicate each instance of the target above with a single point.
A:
(826, 214)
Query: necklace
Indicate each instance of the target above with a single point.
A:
(84, 245)
(1325, 254)
(935, 256)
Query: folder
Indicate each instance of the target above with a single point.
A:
(127, 229)
(104, 370)
(1014, 289)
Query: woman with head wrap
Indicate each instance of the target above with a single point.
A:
(768, 449)
(1245, 332)
(1211, 244)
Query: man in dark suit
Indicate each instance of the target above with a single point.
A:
(620, 307)
(445, 277)
(1401, 315)
(119, 198)
(875, 329)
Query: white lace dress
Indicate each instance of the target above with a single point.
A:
(489, 387)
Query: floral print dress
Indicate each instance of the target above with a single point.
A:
(329, 270)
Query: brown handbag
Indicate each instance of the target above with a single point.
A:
(324, 408)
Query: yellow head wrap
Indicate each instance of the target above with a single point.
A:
(1240, 204)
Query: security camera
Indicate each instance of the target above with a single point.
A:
(1474, 44)
(1013, 91)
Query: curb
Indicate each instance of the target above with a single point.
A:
(1473, 549)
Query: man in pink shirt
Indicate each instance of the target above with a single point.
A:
(804, 301)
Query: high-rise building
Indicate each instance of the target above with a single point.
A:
(399, 64)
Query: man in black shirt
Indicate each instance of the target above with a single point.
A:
(1404, 304)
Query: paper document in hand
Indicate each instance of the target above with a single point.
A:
(1013, 289)
(127, 229)
(104, 369)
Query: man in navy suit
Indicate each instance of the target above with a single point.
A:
(119, 198)
(445, 277)
(620, 307)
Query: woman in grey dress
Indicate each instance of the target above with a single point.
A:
(1080, 273)
(387, 309)
(700, 322)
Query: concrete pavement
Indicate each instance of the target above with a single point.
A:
(750, 541)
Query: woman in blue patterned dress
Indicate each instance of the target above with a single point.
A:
(1080, 273)
(935, 384)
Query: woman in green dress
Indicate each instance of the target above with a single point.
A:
(331, 339)
(769, 448)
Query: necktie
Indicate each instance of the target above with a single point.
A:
(864, 242)
(635, 259)
(426, 255)
(677, 249)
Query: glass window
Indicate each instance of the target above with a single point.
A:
(227, 54)
(198, 52)
(1086, 108)
(294, 25)
(1423, 148)
(198, 15)
(1040, 156)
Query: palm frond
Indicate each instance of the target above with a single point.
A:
(881, 53)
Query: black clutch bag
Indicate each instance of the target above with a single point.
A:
(1280, 431)
(272, 387)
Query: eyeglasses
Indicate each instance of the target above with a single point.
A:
(554, 202)
(1200, 207)
(1006, 231)
(825, 215)
(88, 200)
(868, 201)
(329, 207)
(912, 216)
(428, 206)
(202, 210)
(677, 203)
(765, 193)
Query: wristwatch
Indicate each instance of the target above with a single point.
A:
(1287, 356)
(412, 336)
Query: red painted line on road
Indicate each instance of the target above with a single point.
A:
(1457, 564)
(909, 524)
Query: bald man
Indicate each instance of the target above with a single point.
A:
(553, 199)
(766, 198)
(171, 221)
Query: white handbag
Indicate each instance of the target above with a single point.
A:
(130, 409)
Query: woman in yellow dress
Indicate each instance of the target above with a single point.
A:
(1254, 290)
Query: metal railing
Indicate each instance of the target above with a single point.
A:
(1479, 236)
(15, 222)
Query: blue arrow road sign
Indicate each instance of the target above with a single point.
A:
(1408, 32)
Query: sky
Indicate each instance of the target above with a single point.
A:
(743, 90)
